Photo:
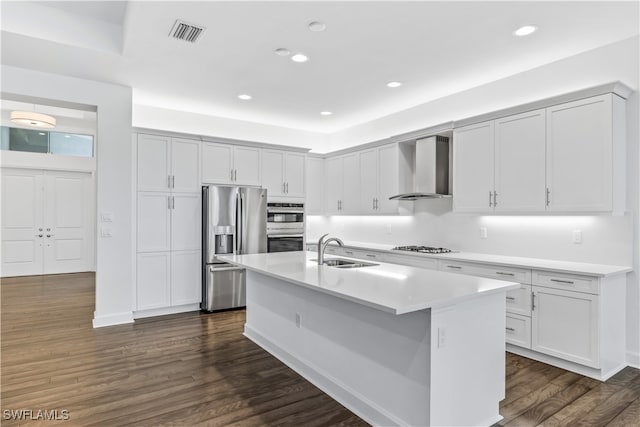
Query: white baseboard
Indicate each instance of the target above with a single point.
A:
(360, 406)
(633, 359)
(141, 314)
(112, 319)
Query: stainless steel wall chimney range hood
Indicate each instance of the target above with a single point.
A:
(431, 180)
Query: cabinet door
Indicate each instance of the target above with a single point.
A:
(520, 163)
(351, 184)
(153, 222)
(217, 161)
(185, 166)
(565, 325)
(388, 179)
(153, 280)
(294, 174)
(247, 165)
(519, 300)
(518, 330)
(186, 216)
(473, 168)
(186, 276)
(579, 155)
(334, 180)
(273, 172)
(153, 163)
(315, 199)
(368, 180)
(22, 222)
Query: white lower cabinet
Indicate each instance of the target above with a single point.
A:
(518, 330)
(186, 276)
(153, 281)
(565, 325)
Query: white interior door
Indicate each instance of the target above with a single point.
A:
(67, 222)
(22, 222)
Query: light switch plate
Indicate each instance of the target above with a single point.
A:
(483, 232)
(106, 232)
(106, 217)
(577, 236)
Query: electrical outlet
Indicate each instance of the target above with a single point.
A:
(577, 237)
(442, 337)
(387, 229)
(298, 320)
(483, 232)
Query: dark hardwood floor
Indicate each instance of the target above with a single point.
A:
(197, 369)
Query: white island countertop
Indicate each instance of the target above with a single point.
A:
(392, 288)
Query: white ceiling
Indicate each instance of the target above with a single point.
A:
(434, 48)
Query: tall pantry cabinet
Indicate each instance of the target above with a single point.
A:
(168, 226)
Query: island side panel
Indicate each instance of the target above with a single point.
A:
(374, 363)
(468, 362)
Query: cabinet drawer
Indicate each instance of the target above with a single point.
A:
(518, 330)
(360, 254)
(571, 282)
(413, 261)
(520, 275)
(519, 300)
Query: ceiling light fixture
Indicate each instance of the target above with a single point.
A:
(525, 30)
(394, 84)
(281, 51)
(326, 113)
(33, 119)
(317, 26)
(245, 97)
(299, 57)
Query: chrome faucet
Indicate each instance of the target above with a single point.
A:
(322, 245)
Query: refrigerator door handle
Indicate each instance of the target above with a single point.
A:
(216, 270)
(239, 224)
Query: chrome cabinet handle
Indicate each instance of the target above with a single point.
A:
(533, 301)
(373, 203)
(567, 282)
(168, 181)
(173, 181)
(348, 252)
(548, 199)
(495, 199)
(457, 267)
(235, 174)
(168, 202)
(284, 188)
(511, 299)
(376, 202)
(287, 187)
(490, 204)
(231, 177)
(371, 256)
(505, 274)
(510, 329)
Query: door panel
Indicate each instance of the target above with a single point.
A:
(246, 161)
(368, 180)
(217, 163)
(272, 172)
(351, 184)
(153, 280)
(185, 166)
(154, 222)
(186, 276)
(294, 174)
(153, 163)
(473, 168)
(67, 241)
(22, 211)
(186, 222)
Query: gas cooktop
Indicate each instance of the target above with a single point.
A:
(423, 249)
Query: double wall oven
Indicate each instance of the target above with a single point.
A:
(285, 227)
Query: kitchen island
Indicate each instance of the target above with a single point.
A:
(397, 345)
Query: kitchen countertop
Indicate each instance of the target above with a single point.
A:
(388, 287)
(570, 267)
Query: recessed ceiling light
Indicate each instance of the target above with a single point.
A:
(326, 113)
(394, 84)
(281, 51)
(525, 30)
(299, 57)
(317, 26)
(244, 96)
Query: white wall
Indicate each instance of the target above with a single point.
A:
(618, 61)
(145, 116)
(606, 239)
(114, 282)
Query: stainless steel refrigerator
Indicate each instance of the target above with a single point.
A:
(234, 221)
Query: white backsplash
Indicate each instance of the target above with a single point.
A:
(606, 239)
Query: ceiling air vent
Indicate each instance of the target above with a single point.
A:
(187, 32)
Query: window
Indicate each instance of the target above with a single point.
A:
(38, 141)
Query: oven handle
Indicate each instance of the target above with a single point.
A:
(278, 236)
(296, 211)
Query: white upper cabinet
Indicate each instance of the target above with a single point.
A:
(153, 163)
(585, 139)
(368, 180)
(519, 160)
(168, 164)
(565, 158)
(230, 164)
(185, 166)
(384, 172)
(315, 182)
(283, 173)
(350, 202)
(473, 168)
(334, 180)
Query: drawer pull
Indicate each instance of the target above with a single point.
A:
(511, 299)
(371, 256)
(568, 282)
(457, 267)
(348, 252)
(510, 329)
(504, 274)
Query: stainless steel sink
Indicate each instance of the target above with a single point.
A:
(345, 263)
